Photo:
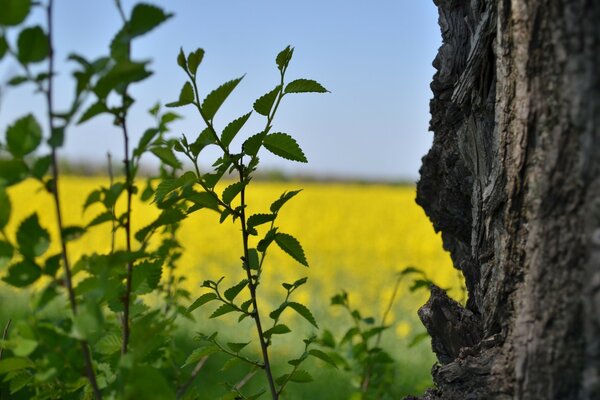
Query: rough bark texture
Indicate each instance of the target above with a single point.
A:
(513, 183)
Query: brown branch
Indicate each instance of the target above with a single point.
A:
(192, 377)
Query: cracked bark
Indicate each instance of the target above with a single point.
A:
(513, 183)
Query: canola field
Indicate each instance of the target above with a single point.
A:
(356, 237)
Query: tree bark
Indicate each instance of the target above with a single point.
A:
(513, 183)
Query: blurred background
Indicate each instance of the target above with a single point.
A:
(374, 57)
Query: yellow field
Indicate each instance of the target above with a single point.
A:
(356, 237)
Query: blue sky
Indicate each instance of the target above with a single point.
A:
(374, 57)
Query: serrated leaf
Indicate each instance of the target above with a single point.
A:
(33, 240)
(206, 138)
(145, 140)
(167, 156)
(14, 11)
(277, 204)
(304, 86)
(264, 243)
(279, 329)
(12, 171)
(259, 219)
(222, 310)
(203, 200)
(144, 18)
(292, 246)
(283, 58)
(232, 129)
(253, 144)
(283, 145)
(22, 274)
(100, 219)
(23, 136)
(217, 97)
(237, 347)
(300, 376)
(93, 197)
(264, 103)
(121, 74)
(146, 277)
(194, 60)
(5, 207)
(200, 301)
(200, 353)
(231, 192)
(95, 109)
(108, 344)
(32, 45)
(233, 291)
(304, 312)
(169, 185)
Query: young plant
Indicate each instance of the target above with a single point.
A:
(232, 203)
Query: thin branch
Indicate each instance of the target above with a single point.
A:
(112, 209)
(55, 194)
(245, 379)
(5, 335)
(192, 377)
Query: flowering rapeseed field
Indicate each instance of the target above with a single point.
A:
(356, 237)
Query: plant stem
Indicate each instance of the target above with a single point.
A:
(112, 209)
(55, 194)
(5, 334)
(129, 188)
(252, 288)
(192, 377)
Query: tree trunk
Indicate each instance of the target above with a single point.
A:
(513, 183)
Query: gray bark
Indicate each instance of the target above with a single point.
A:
(513, 183)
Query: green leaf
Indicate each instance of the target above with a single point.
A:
(57, 137)
(97, 108)
(304, 86)
(146, 277)
(253, 261)
(283, 145)
(322, 356)
(70, 233)
(167, 156)
(23, 273)
(259, 219)
(17, 80)
(277, 204)
(231, 192)
(186, 96)
(267, 240)
(12, 171)
(217, 97)
(123, 73)
(200, 353)
(237, 347)
(327, 339)
(279, 329)
(418, 338)
(200, 301)
(222, 310)
(33, 240)
(253, 144)
(146, 382)
(169, 185)
(24, 136)
(15, 364)
(3, 48)
(373, 331)
(194, 60)
(233, 291)
(233, 128)
(264, 103)
(290, 245)
(144, 18)
(41, 166)
(32, 45)
(145, 140)
(23, 346)
(100, 219)
(5, 207)
(206, 138)
(6, 253)
(108, 344)
(301, 376)
(14, 11)
(203, 200)
(181, 61)
(284, 57)
(52, 264)
(304, 312)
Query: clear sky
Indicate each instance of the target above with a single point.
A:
(373, 56)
